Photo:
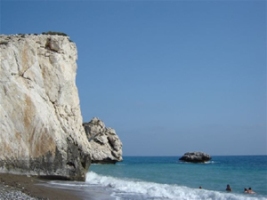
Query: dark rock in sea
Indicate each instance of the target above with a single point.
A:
(196, 157)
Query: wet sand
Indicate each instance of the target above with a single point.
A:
(36, 188)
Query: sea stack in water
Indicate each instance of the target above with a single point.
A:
(195, 157)
(106, 145)
(41, 130)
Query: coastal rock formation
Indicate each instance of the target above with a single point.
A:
(41, 130)
(195, 157)
(106, 145)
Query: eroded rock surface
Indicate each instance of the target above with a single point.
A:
(106, 145)
(41, 130)
(195, 157)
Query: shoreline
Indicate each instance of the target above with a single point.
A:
(32, 187)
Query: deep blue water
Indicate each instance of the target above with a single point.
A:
(163, 178)
(213, 176)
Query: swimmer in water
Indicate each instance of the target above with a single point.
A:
(250, 191)
(228, 188)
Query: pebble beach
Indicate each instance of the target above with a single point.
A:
(7, 192)
(22, 187)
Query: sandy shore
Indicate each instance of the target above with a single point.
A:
(28, 187)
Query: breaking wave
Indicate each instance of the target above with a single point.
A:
(141, 190)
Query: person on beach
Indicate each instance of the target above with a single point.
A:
(228, 188)
(250, 191)
(245, 190)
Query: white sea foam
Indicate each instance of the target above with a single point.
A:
(68, 183)
(132, 189)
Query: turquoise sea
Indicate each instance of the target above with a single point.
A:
(158, 178)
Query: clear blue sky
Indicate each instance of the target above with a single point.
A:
(168, 76)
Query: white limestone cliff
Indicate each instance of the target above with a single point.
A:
(41, 128)
(106, 145)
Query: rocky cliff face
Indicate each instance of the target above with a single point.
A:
(106, 145)
(41, 128)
